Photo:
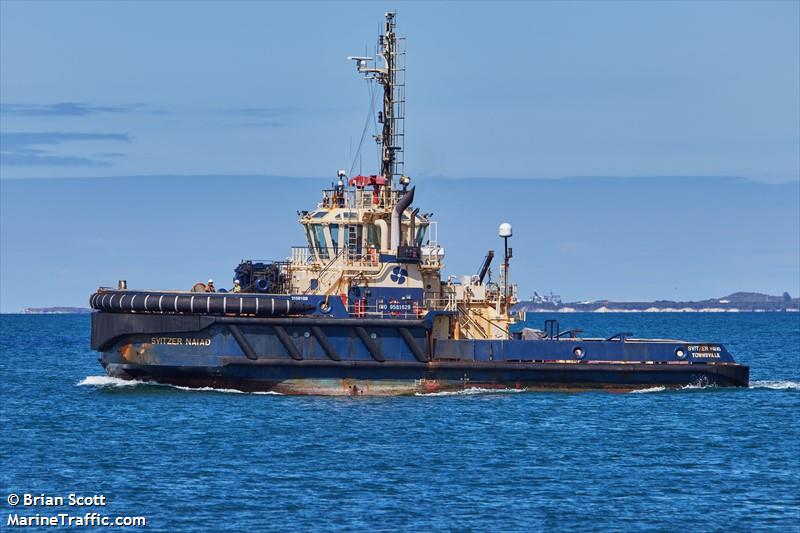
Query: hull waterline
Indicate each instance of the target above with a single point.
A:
(365, 378)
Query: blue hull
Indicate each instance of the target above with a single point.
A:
(385, 357)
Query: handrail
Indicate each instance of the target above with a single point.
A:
(324, 270)
(470, 320)
(573, 333)
(368, 257)
(491, 322)
(443, 304)
(368, 311)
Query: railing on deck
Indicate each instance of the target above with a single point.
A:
(406, 310)
(494, 326)
(367, 198)
(305, 255)
(360, 198)
(434, 301)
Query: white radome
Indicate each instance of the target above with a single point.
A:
(505, 230)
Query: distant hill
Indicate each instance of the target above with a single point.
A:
(738, 301)
(55, 310)
(755, 297)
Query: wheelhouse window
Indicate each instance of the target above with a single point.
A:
(319, 241)
(421, 234)
(309, 238)
(334, 229)
(374, 236)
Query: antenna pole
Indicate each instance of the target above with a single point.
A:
(505, 273)
(388, 42)
(391, 76)
(505, 231)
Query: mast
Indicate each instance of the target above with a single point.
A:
(387, 150)
(391, 76)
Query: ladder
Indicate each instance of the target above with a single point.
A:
(353, 243)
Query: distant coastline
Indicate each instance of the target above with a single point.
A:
(55, 310)
(738, 302)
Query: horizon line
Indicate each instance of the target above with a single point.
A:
(745, 179)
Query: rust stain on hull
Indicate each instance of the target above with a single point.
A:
(137, 353)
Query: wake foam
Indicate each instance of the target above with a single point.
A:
(108, 381)
(700, 385)
(648, 390)
(689, 387)
(469, 392)
(111, 382)
(784, 384)
(224, 391)
(775, 385)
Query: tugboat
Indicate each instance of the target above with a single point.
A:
(362, 307)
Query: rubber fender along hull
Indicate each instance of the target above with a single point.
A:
(125, 301)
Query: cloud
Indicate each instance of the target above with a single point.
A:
(17, 148)
(70, 109)
(22, 159)
(260, 112)
(15, 139)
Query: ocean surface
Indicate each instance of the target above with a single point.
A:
(693, 459)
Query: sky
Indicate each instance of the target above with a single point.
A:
(637, 108)
(677, 238)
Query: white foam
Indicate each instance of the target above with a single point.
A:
(108, 381)
(776, 385)
(648, 390)
(224, 391)
(469, 391)
(700, 385)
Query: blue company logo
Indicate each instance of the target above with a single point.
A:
(399, 275)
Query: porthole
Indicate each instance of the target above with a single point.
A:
(578, 352)
(373, 336)
(306, 334)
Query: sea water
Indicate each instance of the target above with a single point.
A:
(202, 460)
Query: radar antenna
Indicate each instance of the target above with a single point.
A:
(391, 75)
